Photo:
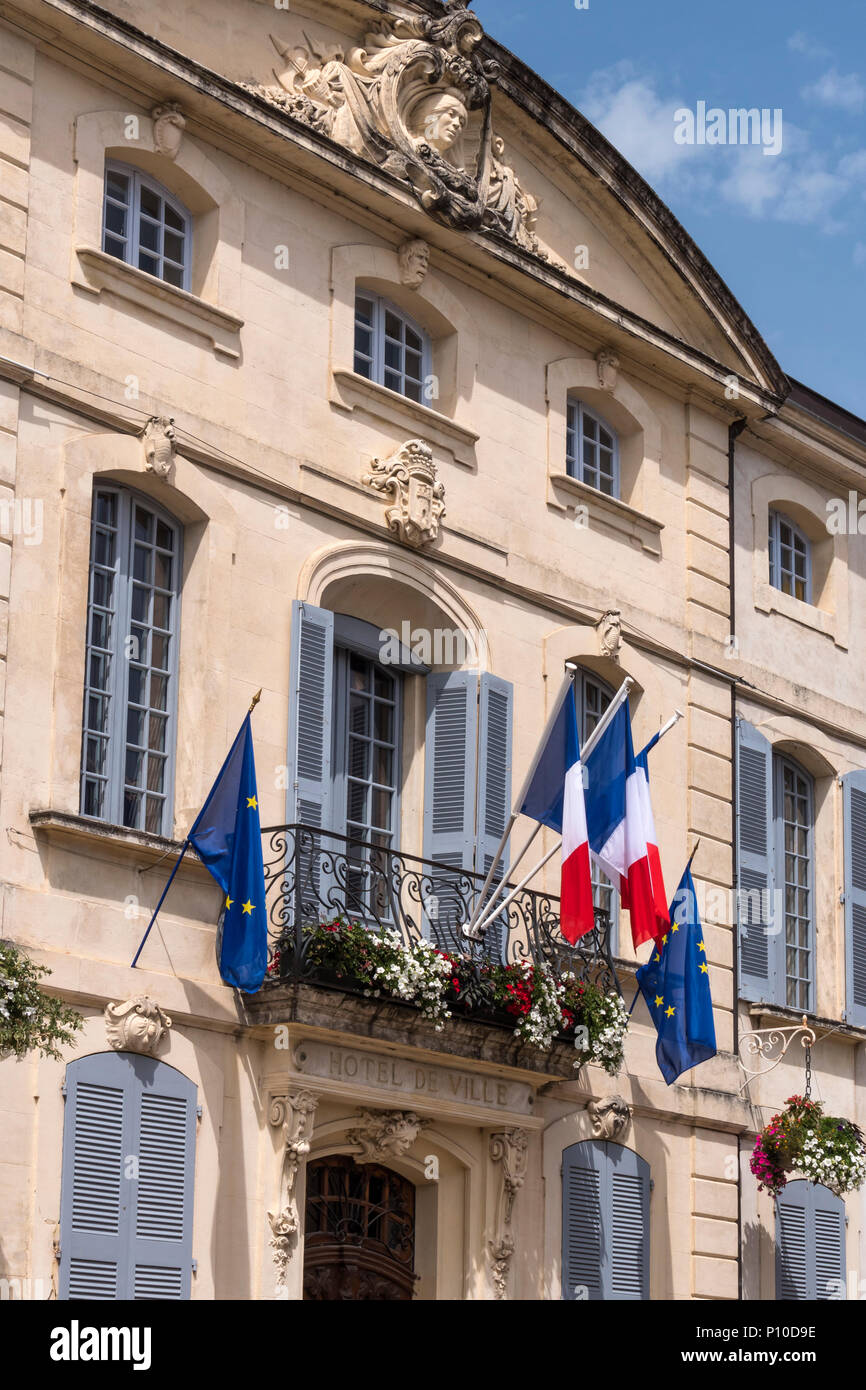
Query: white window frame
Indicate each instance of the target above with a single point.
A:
(776, 521)
(111, 771)
(576, 414)
(376, 356)
(133, 247)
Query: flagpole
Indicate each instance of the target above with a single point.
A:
(161, 901)
(474, 927)
(478, 928)
(185, 847)
(488, 917)
(468, 929)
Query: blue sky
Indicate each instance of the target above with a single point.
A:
(787, 233)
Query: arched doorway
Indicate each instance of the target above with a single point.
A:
(359, 1232)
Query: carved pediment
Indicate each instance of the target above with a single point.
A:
(413, 98)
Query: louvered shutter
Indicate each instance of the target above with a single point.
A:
(311, 702)
(605, 1223)
(127, 1179)
(854, 795)
(494, 791)
(755, 833)
(584, 1222)
(810, 1243)
(450, 760)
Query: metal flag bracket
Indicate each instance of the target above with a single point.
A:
(770, 1045)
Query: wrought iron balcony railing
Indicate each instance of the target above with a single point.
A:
(314, 876)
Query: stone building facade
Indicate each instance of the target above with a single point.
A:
(333, 321)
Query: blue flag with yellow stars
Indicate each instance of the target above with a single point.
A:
(675, 982)
(227, 835)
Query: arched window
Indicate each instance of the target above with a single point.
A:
(145, 225)
(810, 1243)
(130, 681)
(605, 1223)
(591, 449)
(593, 698)
(124, 1233)
(790, 558)
(391, 349)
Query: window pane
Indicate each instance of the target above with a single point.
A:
(156, 731)
(151, 203)
(159, 651)
(172, 218)
(117, 185)
(161, 610)
(148, 263)
(164, 536)
(173, 274)
(393, 326)
(115, 219)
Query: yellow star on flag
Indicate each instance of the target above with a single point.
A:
(248, 907)
(670, 1012)
(705, 970)
(252, 803)
(665, 939)
(229, 902)
(656, 956)
(659, 1001)
(702, 947)
(674, 927)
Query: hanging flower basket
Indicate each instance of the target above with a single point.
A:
(802, 1139)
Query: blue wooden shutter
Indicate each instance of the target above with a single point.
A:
(124, 1236)
(494, 791)
(450, 761)
(310, 714)
(755, 834)
(584, 1220)
(854, 796)
(605, 1223)
(810, 1243)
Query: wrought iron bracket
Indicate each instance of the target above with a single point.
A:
(771, 1045)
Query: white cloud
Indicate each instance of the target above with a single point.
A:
(845, 92)
(802, 43)
(800, 185)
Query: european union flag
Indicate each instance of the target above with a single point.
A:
(227, 835)
(675, 982)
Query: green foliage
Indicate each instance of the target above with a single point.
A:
(30, 1019)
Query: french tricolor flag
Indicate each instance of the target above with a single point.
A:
(621, 827)
(555, 796)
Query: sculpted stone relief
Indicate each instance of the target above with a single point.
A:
(414, 98)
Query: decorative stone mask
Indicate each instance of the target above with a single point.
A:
(139, 1025)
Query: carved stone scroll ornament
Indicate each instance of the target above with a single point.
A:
(609, 629)
(138, 1025)
(295, 1112)
(414, 99)
(169, 124)
(510, 1148)
(610, 1117)
(158, 438)
(383, 1135)
(408, 480)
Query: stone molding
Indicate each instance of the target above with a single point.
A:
(610, 1117)
(295, 1114)
(510, 1148)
